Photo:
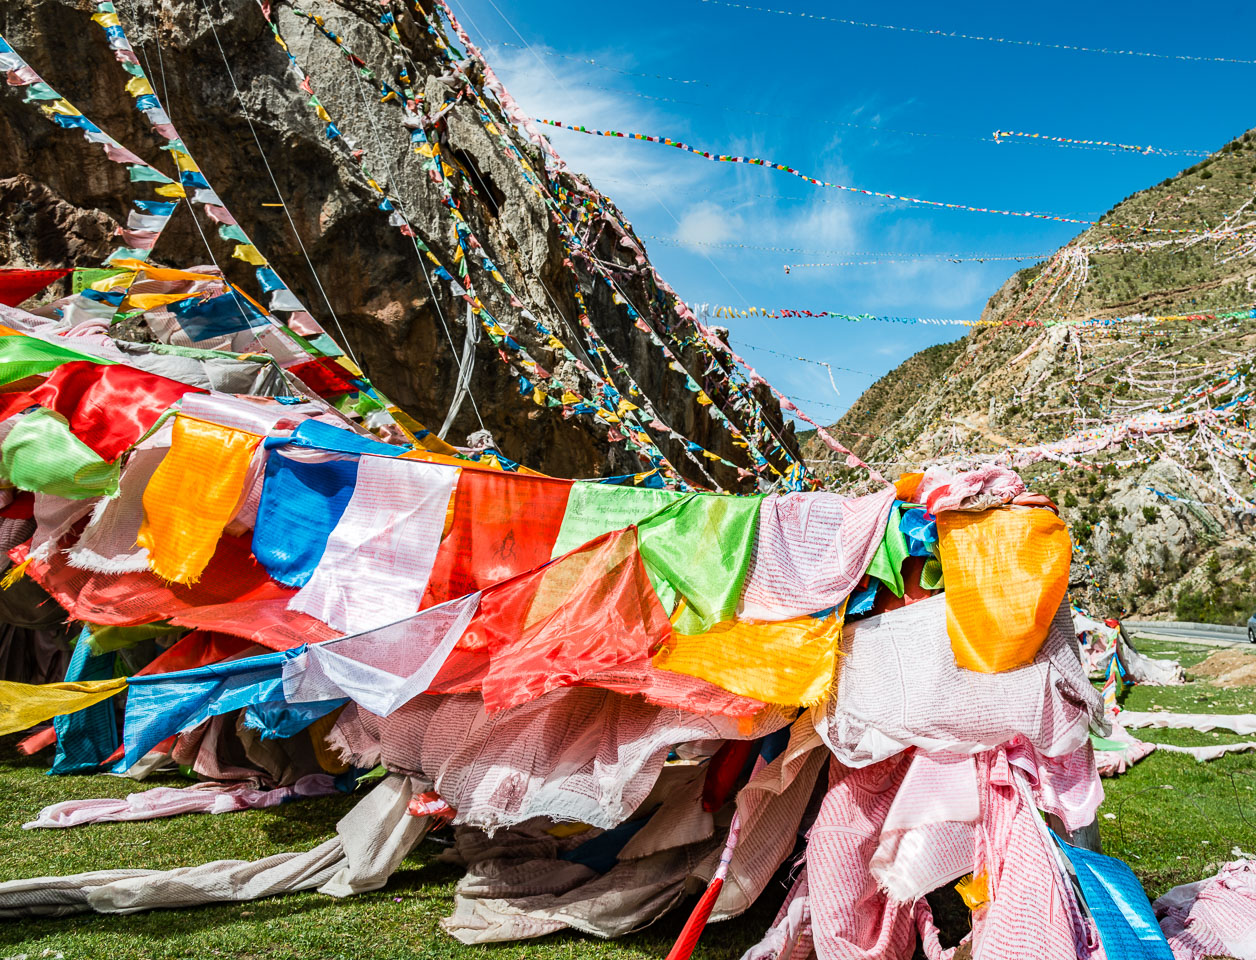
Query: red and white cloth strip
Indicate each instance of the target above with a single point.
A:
(1213, 917)
(379, 556)
(173, 801)
(810, 551)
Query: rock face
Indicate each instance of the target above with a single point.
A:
(1162, 522)
(303, 198)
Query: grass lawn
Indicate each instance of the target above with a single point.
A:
(1171, 818)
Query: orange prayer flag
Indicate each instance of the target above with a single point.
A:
(1006, 574)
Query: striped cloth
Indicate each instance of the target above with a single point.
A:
(810, 551)
(575, 753)
(852, 918)
(1212, 917)
(899, 686)
(379, 556)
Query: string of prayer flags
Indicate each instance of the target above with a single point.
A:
(755, 161)
(1000, 135)
(954, 34)
(64, 114)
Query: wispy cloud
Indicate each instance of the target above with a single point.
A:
(557, 89)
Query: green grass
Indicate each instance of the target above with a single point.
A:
(1173, 820)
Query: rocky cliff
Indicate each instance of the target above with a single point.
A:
(244, 110)
(1138, 428)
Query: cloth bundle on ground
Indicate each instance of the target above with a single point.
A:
(1214, 917)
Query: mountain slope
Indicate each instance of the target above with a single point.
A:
(1139, 428)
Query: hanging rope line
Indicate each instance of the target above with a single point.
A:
(1001, 135)
(757, 162)
(955, 35)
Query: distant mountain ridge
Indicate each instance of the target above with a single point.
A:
(1163, 524)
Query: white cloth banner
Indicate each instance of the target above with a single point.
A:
(380, 554)
(383, 669)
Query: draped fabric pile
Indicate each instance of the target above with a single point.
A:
(614, 696)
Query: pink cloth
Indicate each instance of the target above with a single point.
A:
(1030, 915)
(852, 919)
(988, 485)
(576, 753)
(790, 936)
(1213, 917)
(172, 801)
(810, 551)
(1067, 786)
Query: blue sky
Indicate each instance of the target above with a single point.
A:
(885, 110)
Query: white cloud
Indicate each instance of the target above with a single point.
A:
(628, 171)
(707, 222)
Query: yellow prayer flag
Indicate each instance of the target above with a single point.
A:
(146, 301)
(791, 662)
(184, 161)
(569, 397)
(139, 87)
(22, 705)
(703, 399)
(171, 190)
(106, 19)
(118, 280)
(249, 254)
(193, 495)
(349, 365)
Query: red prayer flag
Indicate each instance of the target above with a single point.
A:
(17, 285)
(590, 610)
(504, 524)
(324, 376)
(108, 406)
(198, 649)
(125, 599)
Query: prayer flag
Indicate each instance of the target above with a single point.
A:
(503, 525)
(193, 495)
(1006, 573)
(41, 454)
(108, 407)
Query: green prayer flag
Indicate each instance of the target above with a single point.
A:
(128, 253)
(41, 454)
(887, 562)
(84, 277)
(701, 546)
(140, 174)
(597, 508)
(229, 231)
(325, 345)
(22, 357)
(40, 91)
